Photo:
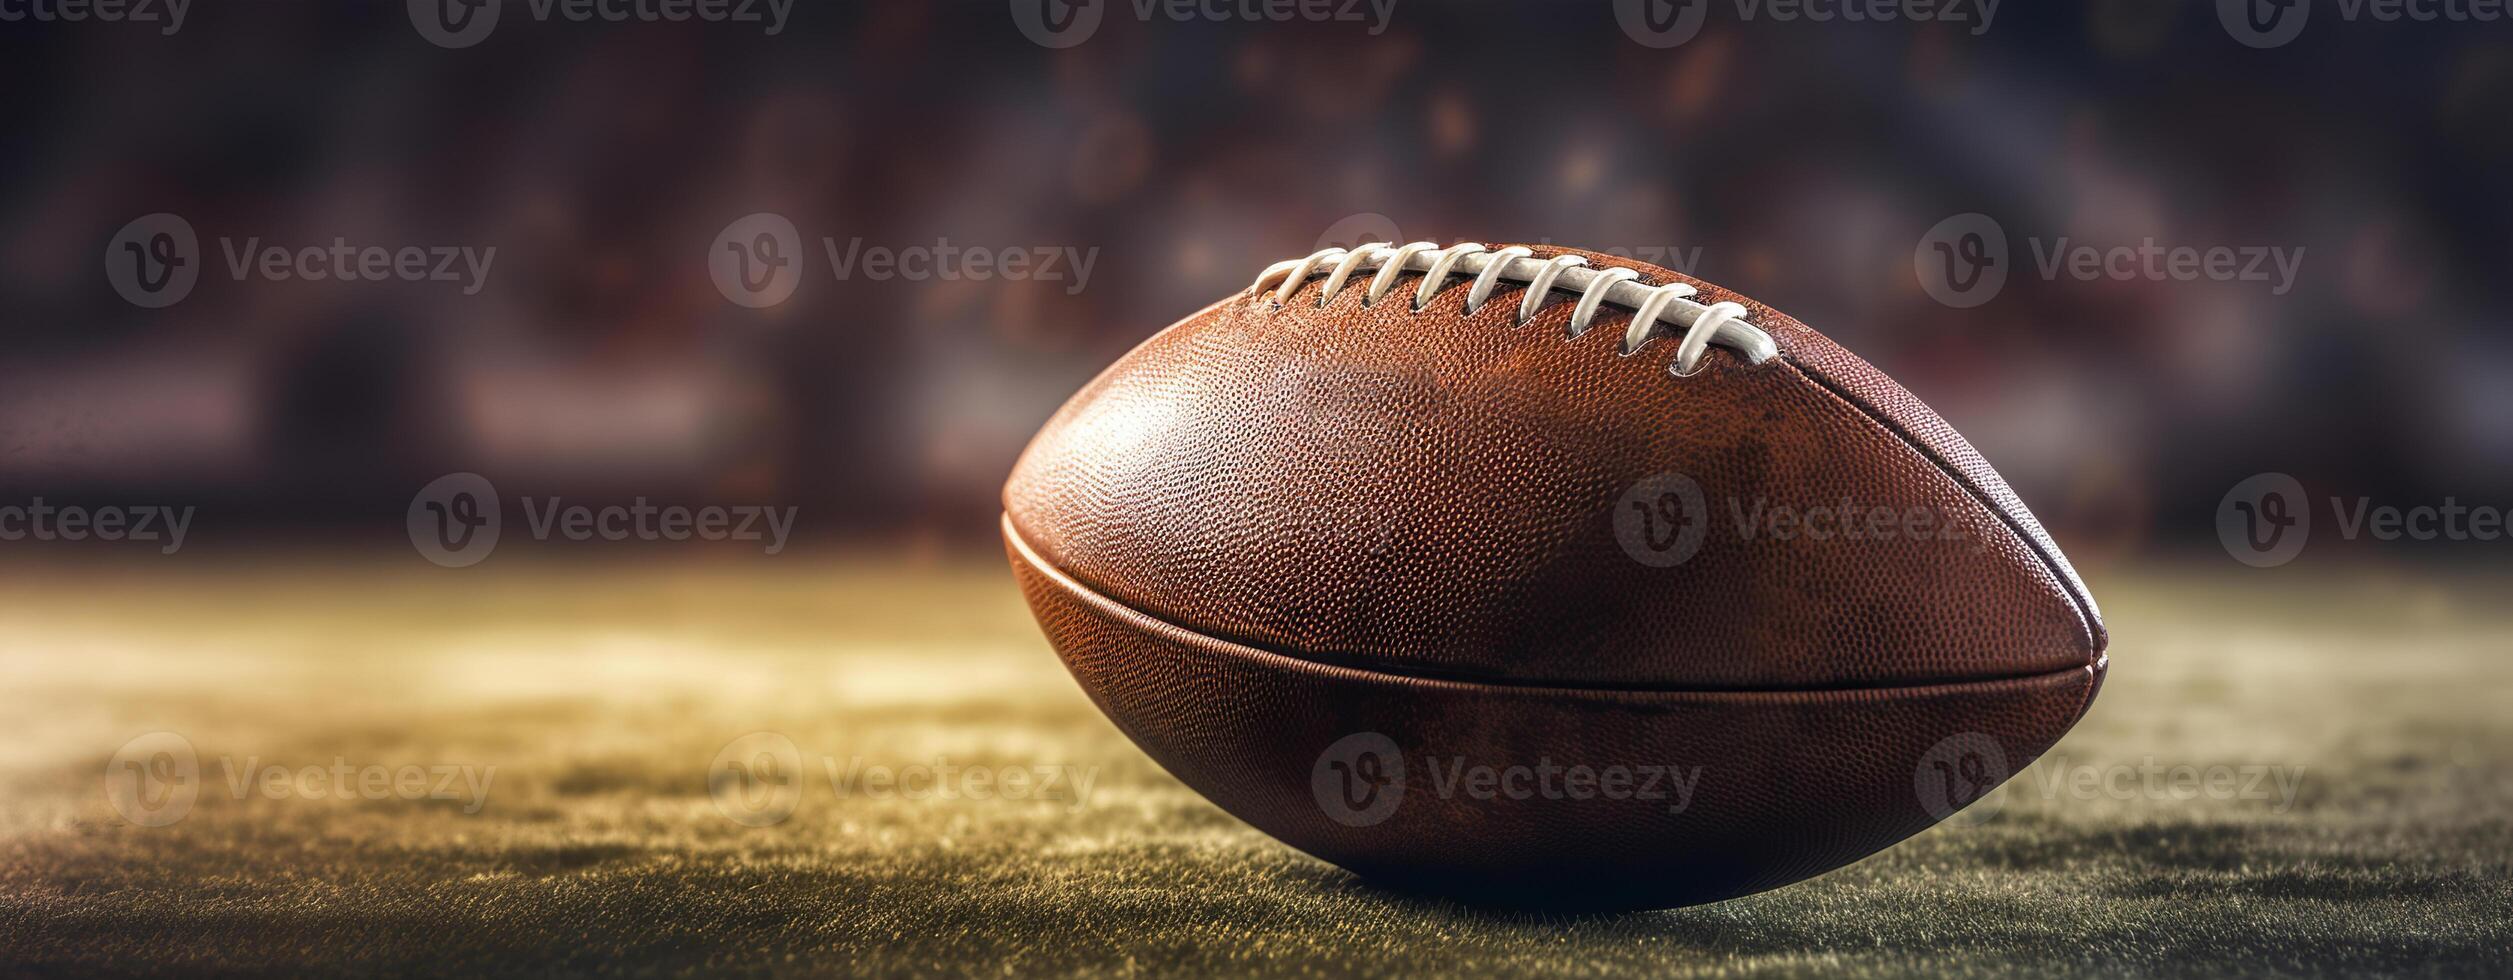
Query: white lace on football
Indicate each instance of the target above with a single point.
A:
(1656, 310)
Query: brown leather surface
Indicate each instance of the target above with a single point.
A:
(1431, 493)
(1783, 785)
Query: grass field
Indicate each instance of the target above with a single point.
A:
(2366, 826)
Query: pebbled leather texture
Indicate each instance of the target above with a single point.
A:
(1268, 526)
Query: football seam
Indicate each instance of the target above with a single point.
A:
(2068, 584)
(1095, 596)
(2089, 623)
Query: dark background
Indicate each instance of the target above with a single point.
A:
(1804, 161)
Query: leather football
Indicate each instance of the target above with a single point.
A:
(1544, 577)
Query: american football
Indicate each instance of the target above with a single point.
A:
(1543, 575)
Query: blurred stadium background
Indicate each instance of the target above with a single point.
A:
(1801, 163)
